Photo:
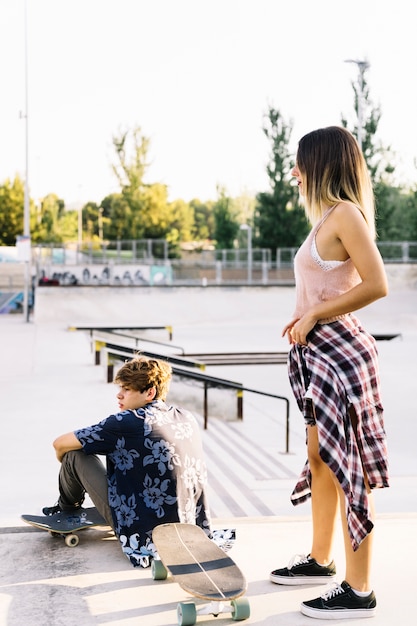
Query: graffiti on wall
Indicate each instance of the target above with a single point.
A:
(106, 275)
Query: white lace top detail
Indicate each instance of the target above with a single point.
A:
(325, 265)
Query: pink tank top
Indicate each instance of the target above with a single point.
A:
(316, 280)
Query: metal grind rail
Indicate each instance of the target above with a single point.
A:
(112, 329)
(240, 358)
(98, 341)
(115, 353)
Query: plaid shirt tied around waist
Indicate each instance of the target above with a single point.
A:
(340, 367)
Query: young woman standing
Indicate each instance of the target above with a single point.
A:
(333, 369)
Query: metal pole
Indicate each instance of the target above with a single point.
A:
(249, 255)
(100, 224)
(249, 243)
(360, 114)
(362, 67)
(26, 213)
(80, 227)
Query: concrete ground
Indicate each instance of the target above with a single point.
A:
(49, 385)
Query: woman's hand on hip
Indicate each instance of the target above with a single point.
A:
(298, 329)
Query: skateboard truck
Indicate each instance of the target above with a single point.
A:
(187, 612)
(70, 540)
(202, 569)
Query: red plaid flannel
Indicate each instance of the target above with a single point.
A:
(340, 366)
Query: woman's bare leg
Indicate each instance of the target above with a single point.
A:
(324, 501)
(358, 563)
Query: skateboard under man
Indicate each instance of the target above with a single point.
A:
(67, 524)
(202, 569)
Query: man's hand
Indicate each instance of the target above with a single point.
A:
(64, 444)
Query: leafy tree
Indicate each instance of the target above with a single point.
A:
(226, 225)
(378, 157)
(12, 196)
(181, 221)
(90, 221)
(278, 220)
(203, 220)
(387, 200)
(132, 150)
(148, 214)
(153, 219)
(48, 222)
(410, 216)
(68, 225)
(397, 221)
(116, 217)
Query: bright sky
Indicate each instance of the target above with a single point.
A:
(197, 77)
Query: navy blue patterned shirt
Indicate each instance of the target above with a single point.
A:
(155, 470)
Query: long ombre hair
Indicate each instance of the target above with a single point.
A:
(334, 169)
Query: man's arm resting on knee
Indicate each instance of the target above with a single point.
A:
(65, 443)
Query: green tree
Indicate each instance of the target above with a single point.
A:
(410, 216)
(68, 225)
(378, 157)
(397, 221)
(132, 149)
(387, 201)
(153, 219)
(48, 222)
(90, 221)
(148, 214)
(203, 220)
(181, 222)
(225, 220)
(116, 217)
(278, 219)
(11, 211)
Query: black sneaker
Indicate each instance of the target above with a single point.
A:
(51, 510)
(340, 602)
(57, 508)
(304, 570)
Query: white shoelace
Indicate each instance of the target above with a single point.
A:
(335, 590)
(297, 559)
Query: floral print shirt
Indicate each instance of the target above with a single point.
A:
(155, 470)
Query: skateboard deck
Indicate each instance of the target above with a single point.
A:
(67, 524)
(202, 569)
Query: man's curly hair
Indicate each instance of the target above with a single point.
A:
(142, 373)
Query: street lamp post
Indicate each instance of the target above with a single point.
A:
(249, 232)
(26, 206)
(362, 67)
(100, 224)
(80, 227)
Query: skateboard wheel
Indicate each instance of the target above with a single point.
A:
(186, 614)
(240, 609)
(158, 569)
(72, 541)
